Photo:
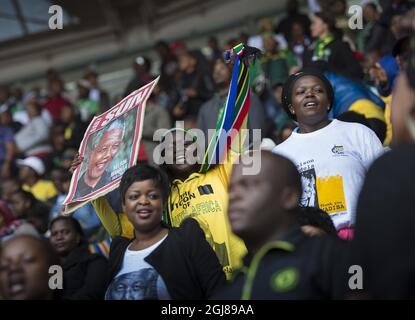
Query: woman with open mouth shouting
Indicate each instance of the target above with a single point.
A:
(332, 156)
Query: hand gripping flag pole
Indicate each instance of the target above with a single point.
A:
(233, 116)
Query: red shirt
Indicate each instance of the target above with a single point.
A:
(54, 105)
(142, 156)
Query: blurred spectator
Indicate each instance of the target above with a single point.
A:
(6, 102)
(293, 15)
(84, 273)
(156, 117)
(403, 107)
(169, 65)
(142, 76)
(96, 93)
(6, 215)
(356, 97)
(213, 44)
(22, 116)
(8, 187)
(374, 35)
(55, 100)
(7, 150)
(6, 119)
(85, 215)
(52, 75)
(209, 112)
(276, 114)
(58, 143)
(195, 87)
(30, 172)
(25, 206)
(338, 8)
(402, 51)
(298, 42)
(86, 106)
(384, 73)
(276, 62)
(329, 52)
(16, 96)
(280, 255)
(33, 138)
(265, 27)
(393, 8)
(21, 202)
(75, 127)
(11, 226)
(388, 183)
(24, 269)
(232, 42)
(67, 158)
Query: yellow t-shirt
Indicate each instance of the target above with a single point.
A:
(203, 197)
(42, 190)
(387, 100)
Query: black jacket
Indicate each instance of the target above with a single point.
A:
(184, 260)
(298, 267)
(385, 222)
(84, 275)
(341, 60)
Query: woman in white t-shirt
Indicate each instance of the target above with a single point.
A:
(332, 156)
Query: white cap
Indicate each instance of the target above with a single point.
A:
(34, 163)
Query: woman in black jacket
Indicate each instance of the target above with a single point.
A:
(84, 273)
(160, 262)
(329, 52)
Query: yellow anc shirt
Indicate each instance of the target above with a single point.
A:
(203, 197)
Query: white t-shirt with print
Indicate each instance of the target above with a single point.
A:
(137, 279)
(333, 162)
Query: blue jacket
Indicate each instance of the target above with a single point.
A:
(347, 92)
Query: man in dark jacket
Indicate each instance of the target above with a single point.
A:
(282, 262)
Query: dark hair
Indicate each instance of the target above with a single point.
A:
(75, 224)
(142, 172)
(292, 79)
(27, 195)
(372, 5)
(161, 43)
(317, 218)
(37, 106)
(329, 19)
(352, 116)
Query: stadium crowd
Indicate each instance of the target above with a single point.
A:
(336, 110)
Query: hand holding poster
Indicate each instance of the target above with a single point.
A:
(110, 146)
